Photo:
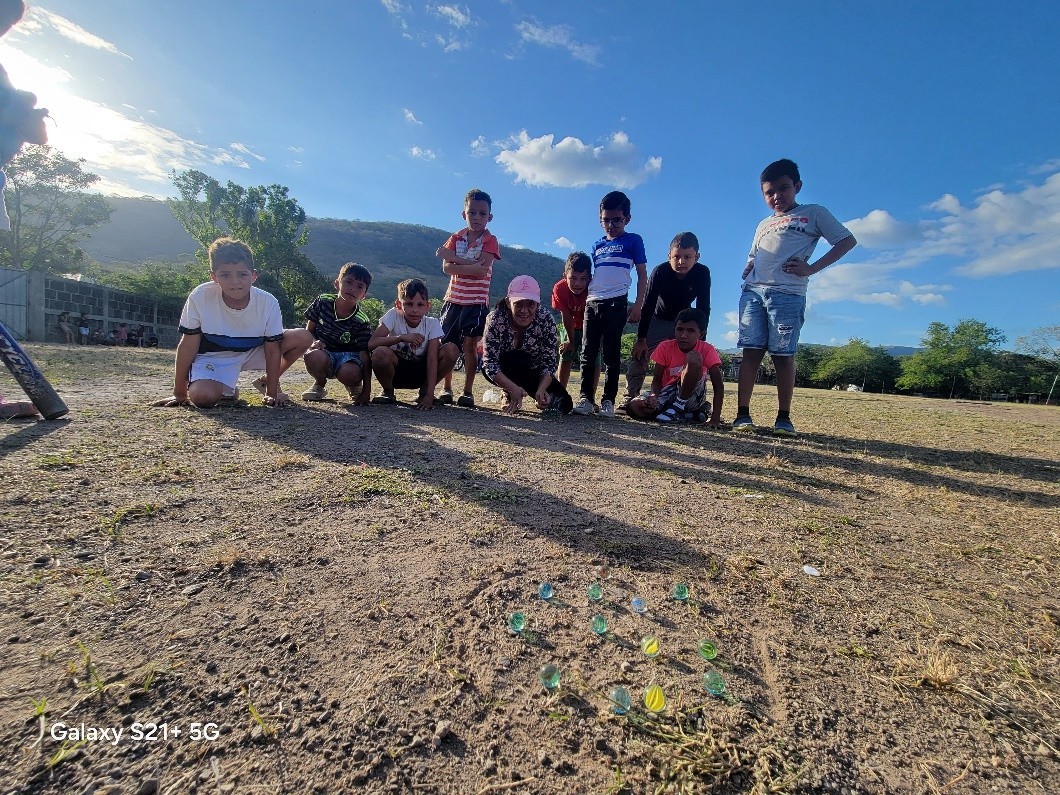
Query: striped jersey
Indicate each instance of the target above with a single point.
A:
(471, 290)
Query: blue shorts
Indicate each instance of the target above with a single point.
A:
(339, 358)
(771, 320)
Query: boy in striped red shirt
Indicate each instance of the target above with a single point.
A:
(468, 257)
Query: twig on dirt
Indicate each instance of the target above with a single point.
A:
(508, 785)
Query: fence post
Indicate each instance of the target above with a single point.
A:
(36, 320)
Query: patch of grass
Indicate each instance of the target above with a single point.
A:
(61, 460)
(931, 667)
(112, 524)
(267, 728)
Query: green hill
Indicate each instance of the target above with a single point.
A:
(145, 229)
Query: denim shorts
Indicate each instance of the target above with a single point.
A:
(771, 320)
(339, 358)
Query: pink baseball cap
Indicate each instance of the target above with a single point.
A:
(524, 288)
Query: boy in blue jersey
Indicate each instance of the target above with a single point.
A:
(773, 301)
(342, 332)
(615, 255)
(228, 326)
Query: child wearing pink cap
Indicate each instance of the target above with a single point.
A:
(520, 354)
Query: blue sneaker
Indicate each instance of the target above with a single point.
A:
(743, 424)
(784, 428)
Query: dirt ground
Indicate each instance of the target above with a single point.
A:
(315, 599)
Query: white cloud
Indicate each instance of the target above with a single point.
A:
(455, 16)
(243, 149)
(1002, 233)
(410, 117)
(423, 154)
(731, 337)
(573, 164)
(519, 246)
(563, 242)
(880, 229)
(38, 19)
(450, 44)
(558, 36)
(397, 10)
(479, 148)
(296, 149)
(732, 319)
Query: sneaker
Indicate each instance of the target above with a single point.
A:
(385, 399)
(784, 428)
(313, 393)
(607, 409)
(446, 398)
(561, 403)
(743, 424)
(671, 414)
(584, 407)
(466, 400)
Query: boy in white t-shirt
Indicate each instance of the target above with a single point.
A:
(407, 349)
(228, 326)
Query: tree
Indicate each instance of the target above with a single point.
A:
(873, 369)
(807, 358)
(1043, 343)
(953, 359)
(50, 212)
(263, 217)
(164, 282)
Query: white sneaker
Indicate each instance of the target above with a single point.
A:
(584, 406)
(607, 408)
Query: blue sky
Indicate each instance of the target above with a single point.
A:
(932, 129)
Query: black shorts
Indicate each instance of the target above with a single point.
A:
(462, 320)
(410, 373)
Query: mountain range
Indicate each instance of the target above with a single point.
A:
(141, 230)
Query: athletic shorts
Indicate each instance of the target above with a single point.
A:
(696, 402)
(462, 320)
(225, 366)
(771, 320)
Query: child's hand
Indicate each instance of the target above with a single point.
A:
(415, 340)
(714, 421)
(634, 314)
(425, 403)
(640, 351)
(364, 397)
(281, 400)
(444, 253)
(542, 398)
(566, 346)
(318, 345)
(172, 402)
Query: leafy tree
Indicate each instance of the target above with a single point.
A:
(1043, 342)
(873, 369)
(263, 217)
(951, 359)
(374, 309)
(807, 358)
(50, 212)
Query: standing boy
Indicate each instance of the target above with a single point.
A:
(606, 311)
(773, 301)
(672, 286)
(342, 332)
(569, 295)
(227, 326)
(468, 257)
(407, 349)
(682, 366)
